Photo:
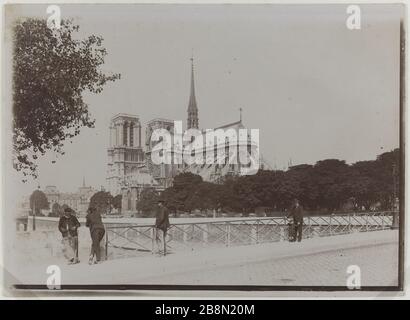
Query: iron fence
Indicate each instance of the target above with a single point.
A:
(127, 239)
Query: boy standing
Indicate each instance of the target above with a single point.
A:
(68, 226)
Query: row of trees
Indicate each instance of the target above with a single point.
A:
(102, 200)
(57, 210)
(329, 185)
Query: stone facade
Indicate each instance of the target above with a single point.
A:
(130, 167)
(79, 201)
(125, 153)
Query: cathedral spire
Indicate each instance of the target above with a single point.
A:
(192, 107)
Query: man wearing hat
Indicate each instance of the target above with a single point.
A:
(297, 215)
(161, 226)
(68, 226)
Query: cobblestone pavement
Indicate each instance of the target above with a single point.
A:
(378, 265)
(313, 262)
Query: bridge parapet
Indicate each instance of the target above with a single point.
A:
(123, 239)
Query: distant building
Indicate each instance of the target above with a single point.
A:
(78, 201)
(162, 173)
(22, 208)
(132, 186)
(125, 152)
(52, 194)
(220, 168)
(130, 168)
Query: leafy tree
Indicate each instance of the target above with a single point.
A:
(56, 210)
(38, 202)
(388, 169)
(226, 196)
(305, 187)
(377, 181)
(117, 202)
(148, 201)
(324, 187)
(202, 196)
(210, 196)
(186, 181)
(193, 201)
(171, 201)
(364, 191)
(184, 187)
(246, 188)
(330, 177)
(51, 71)
(102, 201)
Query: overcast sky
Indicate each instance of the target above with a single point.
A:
(315, 89)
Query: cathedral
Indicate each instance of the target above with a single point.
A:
(130, 168)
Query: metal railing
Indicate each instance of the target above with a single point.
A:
(133, 238)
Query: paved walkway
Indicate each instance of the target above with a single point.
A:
(378, 265)
(318, 261)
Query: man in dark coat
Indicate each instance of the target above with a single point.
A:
(97, 231)
(161, 226)
(296, 213)
(68, 225)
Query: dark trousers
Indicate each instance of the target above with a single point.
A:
(160, 240)
(74, 245)
(298, 230)
(96, 237)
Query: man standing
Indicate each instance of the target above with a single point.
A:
(297, 215)
(97, 231)
(161, 226)
(68, 225)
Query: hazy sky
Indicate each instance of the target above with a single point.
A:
(314, 88)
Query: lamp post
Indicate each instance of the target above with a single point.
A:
(34, 210)
(34, 214)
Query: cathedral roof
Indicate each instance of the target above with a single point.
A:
(235, 125)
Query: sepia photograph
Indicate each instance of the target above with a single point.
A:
(225, 147)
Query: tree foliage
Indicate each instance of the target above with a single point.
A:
(326, 186)
(56, 210)
(148, 201)
(117, 202)
(102, 201)
(38, 202)
(51, 71)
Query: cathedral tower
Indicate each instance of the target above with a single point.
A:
(125, 152)
(193, 121)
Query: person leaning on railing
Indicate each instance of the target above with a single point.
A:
(296, 213)
(97, 231)
(161, 226)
